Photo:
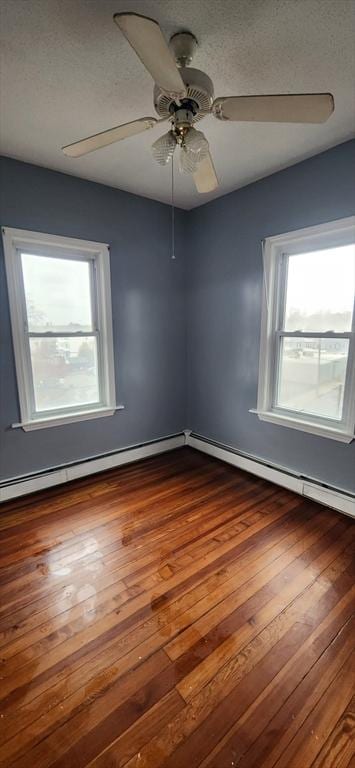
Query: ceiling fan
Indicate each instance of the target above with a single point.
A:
(183, 96)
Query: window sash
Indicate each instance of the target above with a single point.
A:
(275, 251)
(66, 256)
(279, 310)
(279, 336)
(38, 413)
(97, 254)
(35, 412)
(317, 334)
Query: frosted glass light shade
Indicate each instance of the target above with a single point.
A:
(188, 160)
(196, 142)
(194, 149)
(163, 148)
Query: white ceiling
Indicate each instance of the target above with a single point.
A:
(67, 72)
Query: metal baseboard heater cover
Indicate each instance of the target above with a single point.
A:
(336, 498)
(20, 486)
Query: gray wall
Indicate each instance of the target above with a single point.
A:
(183, 333)
(148, 314)
(224, 305)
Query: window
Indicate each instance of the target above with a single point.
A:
(307, 356)
(60, 304)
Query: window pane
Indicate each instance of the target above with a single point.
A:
(65, 372)
(58, 295)
(320, 290)
(312, 376)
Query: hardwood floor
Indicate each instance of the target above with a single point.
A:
(176, 613)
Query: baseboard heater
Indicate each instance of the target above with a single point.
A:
(19, 486)
(332, 497)
(335, 498)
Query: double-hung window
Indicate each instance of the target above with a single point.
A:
(60, 305)
(307, 356)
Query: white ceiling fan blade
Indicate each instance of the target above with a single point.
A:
(293, 108)
(84, 146)
(146, 38)
(205, 177)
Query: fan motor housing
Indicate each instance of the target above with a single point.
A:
(199, 94)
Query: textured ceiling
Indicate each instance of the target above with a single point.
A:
(67, 72)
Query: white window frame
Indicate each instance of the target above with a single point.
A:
(17, 241)
(275, 249)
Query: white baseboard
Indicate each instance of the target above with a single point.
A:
(21, 486)
(335, 499)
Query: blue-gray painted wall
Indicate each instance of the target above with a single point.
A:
(186, 333)
(224, 278)
(148, 314)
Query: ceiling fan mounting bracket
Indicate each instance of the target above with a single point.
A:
(183, 46)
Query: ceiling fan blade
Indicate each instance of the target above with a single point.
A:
(84, 146)
(293, 108)
(205, 177)
(146, 38)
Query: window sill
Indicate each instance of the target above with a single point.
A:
(57, 421)
(304, 426)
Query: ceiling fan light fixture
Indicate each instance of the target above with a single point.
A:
(194, 149)
(163, 148)
(188, 160)
(184, 95)
(196, 142)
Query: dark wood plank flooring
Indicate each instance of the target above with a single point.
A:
(176, 613)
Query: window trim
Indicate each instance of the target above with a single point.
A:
(60, 247)
(330, 234)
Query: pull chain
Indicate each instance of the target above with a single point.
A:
(172, 211)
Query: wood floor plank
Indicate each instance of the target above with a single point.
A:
(211, 712)
(95, 561)
(175, 612)
(52, 604)
(339, 748)
(307, 743)
(290, 696)
(213, 617)
(46, 636)
(139, 607)
(165, 621)
(246, 622)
